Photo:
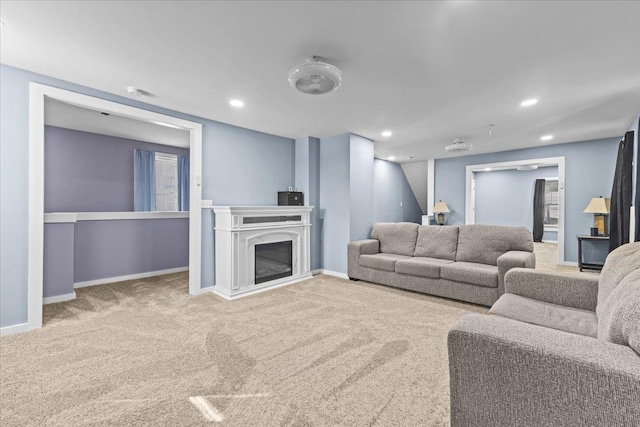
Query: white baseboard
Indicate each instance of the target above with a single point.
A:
(330, 273)
(257, 291)
(550, 241)
(201, 291)
(569, 263)
(59, 298)
(129, 277)
(17, 329)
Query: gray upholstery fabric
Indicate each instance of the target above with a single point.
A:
(513, 259)
(437, 242)
(469, 272)
(619, 320)
(569, 290)
(355, 249)
(381, 261)
(573, 320)
(421, 266)
(396, 238)
(619, 263)
(483, 244)
(509, 373)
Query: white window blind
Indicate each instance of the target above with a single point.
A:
(551, 203)
(166, 182)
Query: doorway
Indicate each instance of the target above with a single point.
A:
(556, 206)
(39, 94)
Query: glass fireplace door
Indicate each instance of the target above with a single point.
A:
(273, 261)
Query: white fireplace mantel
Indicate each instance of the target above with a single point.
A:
(239, 229)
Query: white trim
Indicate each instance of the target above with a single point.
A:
(37, 95)
(128, 277)
(109, 216)
(259, 290)
(205, 290)
(59, 298)
(549, 161)
(550, 241)
(431, 186)
(330, 273)
(16, 329)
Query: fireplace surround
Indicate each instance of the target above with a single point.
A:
(260, 247)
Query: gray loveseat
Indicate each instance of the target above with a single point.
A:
(560, 350)
(466, 262)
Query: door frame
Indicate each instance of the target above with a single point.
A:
(38, 93)
(470, 207)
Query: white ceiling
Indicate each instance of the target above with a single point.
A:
(68, 116)
(429, 71)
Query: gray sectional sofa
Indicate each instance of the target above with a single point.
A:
(559, 350)
(466, 262)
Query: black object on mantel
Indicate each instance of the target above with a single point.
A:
(290, 198)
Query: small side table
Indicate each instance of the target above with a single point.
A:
(588, 265)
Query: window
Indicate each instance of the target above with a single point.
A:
(166, 182)
(551, 203)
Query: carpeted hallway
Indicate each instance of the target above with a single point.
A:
(326, 351)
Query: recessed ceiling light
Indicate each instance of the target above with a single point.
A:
(134, 91)
(410, 157)
(529, 102)
(392, 157)
(546, 137)
(487, 169)
(387, 133)
(236, 103)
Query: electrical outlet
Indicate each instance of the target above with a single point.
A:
(207, 203)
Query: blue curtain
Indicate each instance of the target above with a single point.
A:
(183, 183)
(144, 180)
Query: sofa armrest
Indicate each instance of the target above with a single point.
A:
(506, 373)
(569, 290)
(513, 259)
(357, 248)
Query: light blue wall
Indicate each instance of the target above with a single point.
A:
(589, 173)
(307, 180)
(240, 166)
(506, 197)
(335, 201)
(393, 199)
(361, 182)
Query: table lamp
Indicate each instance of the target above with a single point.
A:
(599, 207)
(440, 208)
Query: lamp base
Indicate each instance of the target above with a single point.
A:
(440, 219)
(600, 222)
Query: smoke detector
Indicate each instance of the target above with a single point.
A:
(458, 146)
(315, 77)
(134, 91)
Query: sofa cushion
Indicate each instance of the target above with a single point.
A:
(619, 318)
(485, 243)
(421, 266)
(381, 261)
(567, 319)
(396, 237)
(619, 263)
(437, 242)
(472, 273)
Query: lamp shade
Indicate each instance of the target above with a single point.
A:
(441, 207)
(597, 205)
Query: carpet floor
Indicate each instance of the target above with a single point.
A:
(321, 352)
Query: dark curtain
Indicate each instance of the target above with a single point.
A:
(538, 210)
(621, 194)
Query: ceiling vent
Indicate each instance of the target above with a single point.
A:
(315, 77)
(458, 146)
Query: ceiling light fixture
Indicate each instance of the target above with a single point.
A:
(546, 138)
(458, 146)
(386, 133)
(487, 169)
(392, 157)
(135, 91)
(529, 102)
(315, 77)
(236, 103)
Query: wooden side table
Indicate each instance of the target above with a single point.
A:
(588, 265)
